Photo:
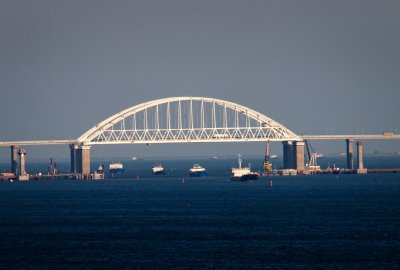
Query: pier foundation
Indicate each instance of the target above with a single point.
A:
(299, 154)
(14, 159)
(349, 153)
(360, 163)
(22, 172)
(83, 160)
(288, 155)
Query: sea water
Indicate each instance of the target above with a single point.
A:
(178, 222)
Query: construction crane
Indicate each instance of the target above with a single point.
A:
(311, 165)
(267, 166)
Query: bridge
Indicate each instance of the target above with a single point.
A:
(190, 120)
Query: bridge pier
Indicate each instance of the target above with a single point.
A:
(83, 160)
(299, 154)
(360, 163)
(73, 149)
(288, 155)
(14, 159)
(22, 172)
(349, 154)
(293, 155)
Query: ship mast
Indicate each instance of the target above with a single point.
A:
(240, 161)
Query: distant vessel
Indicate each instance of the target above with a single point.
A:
(319, 155)
(100, 169)
(197, 171)
(273, 156)
(116, 167)
(334, 169)
(158, 170)
(243, 174)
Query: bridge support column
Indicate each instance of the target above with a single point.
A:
(83, 160)
(14, 159)
(22, 172)
(360, 164)
(73, 149)
(349, 152)
(299, 154)
(288, 155)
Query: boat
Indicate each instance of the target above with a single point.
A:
(197, 171)
(243, 174)
(99, 174)
(100, 169)
(116, 167)
(287, 172)
(273, 156)
(334, 169)
(158, 170)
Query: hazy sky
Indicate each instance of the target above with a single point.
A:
(315, 66)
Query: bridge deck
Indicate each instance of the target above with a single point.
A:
(38, 142)
(354, 137)
(304, 137)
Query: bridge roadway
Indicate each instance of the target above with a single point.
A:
(304, 137)
(38, 142)
(352, 137)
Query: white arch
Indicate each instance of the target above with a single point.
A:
(267, 122)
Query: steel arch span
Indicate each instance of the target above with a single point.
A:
(187, 119)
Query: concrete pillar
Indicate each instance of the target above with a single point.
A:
(299, 152)
(288, 155)
(83, 160)
(14, 159)
(360, 164)
(21, 154)
(22, 176)
(349, 152)
(73, 149)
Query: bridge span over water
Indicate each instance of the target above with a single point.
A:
(190, 120)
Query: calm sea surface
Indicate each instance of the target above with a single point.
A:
(177, 222)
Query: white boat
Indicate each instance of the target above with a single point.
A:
(198, 171)
(116, 167)
(273, 156)
(158, 170)
(243, 173)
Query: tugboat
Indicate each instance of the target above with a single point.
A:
(243, 174)
(158, 170)
(116, 167)
(197, 171)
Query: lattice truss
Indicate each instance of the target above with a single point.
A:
(186, 119)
